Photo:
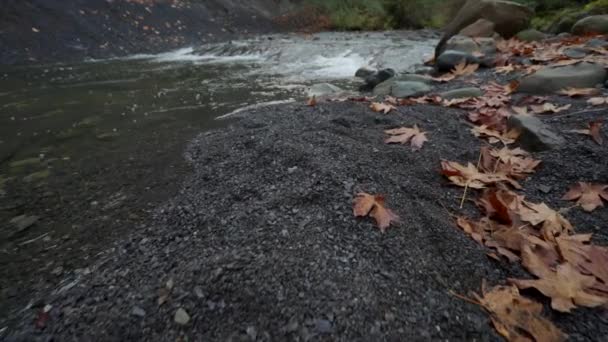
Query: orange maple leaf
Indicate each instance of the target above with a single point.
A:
(373, 205)
(589, 195)
(382, 107)
(403, 135)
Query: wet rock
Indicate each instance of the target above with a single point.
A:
(597, 43)
(508, 18)
(531, 35)
(461, 93)
(591, 24)
(138, 312)
(486, 46)
(576, 52)
(323, 89)
(480, 28)
(450, 58)
(365, 72)
(535, 135)
(401, 88)
(553, 79)
(414, 78)
(375, 79)
(23, 222)
(181, 317)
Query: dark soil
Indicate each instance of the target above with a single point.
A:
(44, 31)
(261, 242)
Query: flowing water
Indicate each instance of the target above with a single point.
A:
(79, 141)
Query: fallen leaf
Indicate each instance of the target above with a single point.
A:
(587, 258)
(404, 135)
(464, 69)
(495, 136)
(594, 131)
(373, 205)
(504, 69)
(575, 92)
(382, 107)
(549, 108)
(553, 223)
(518, 318)
(312, 101)
(470, 176)
(511, 87)
(566, 287)
(598, 101)
(589, 196)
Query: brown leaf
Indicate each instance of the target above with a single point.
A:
(589, 195)
(464, 69)
(517, 318)
(549, 108)
(382, 107)
(553, 223)
(373, 205)
(575, 92)
(470, 176)
(598, 101)
(566, 287)
(495, 136)
(587, 258)
(404, 135)
(504, 69)
(312, 101)
(594, 131)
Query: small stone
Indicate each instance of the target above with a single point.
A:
(252, 333)
(198, 291)
(181, 317)
(23, 222)
(545, 188)
(57, 271)
(292, 169)
(534, 134)
(138, 312)
(323, 326)
(576, 53)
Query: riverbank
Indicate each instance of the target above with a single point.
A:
(41, 31)
(260, 243)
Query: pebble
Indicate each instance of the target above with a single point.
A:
(138, 312)
(181, 317)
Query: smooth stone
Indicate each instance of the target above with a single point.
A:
(23, 222)
(531, 35)
(401, 88)
(468, 45)
(414, 78)
(576, 52)
(461, 93)
(181, 317)
(591, 24)
(553, 79)
(138, 312)
(534, 136)
(480, 28)
(323, 89)
(450, 58)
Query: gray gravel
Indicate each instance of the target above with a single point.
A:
(261, 243)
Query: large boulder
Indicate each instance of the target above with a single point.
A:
(480, 28)
(450, 58)
(508, 18)
(592, 24)
(485, 46)
(530, 35)
(553, 79)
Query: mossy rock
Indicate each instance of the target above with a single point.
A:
(24, 163)
(531, 35)
(37, 176)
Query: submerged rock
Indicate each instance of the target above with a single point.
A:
(592, 24)
(553, 79)
(323, 89)
(534, 136)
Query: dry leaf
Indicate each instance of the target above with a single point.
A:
(373, 205)
(404, 135)
(549, 108)
(517, 318)
(566, 286)
(312, 101)
(586, 258)
(504, 69)
(589, 195)
(598, 101)
(574, 92)
(553, 223)
(470, 176)
(464, 69)
(382, 107)
(594, 131)
(495, 136)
